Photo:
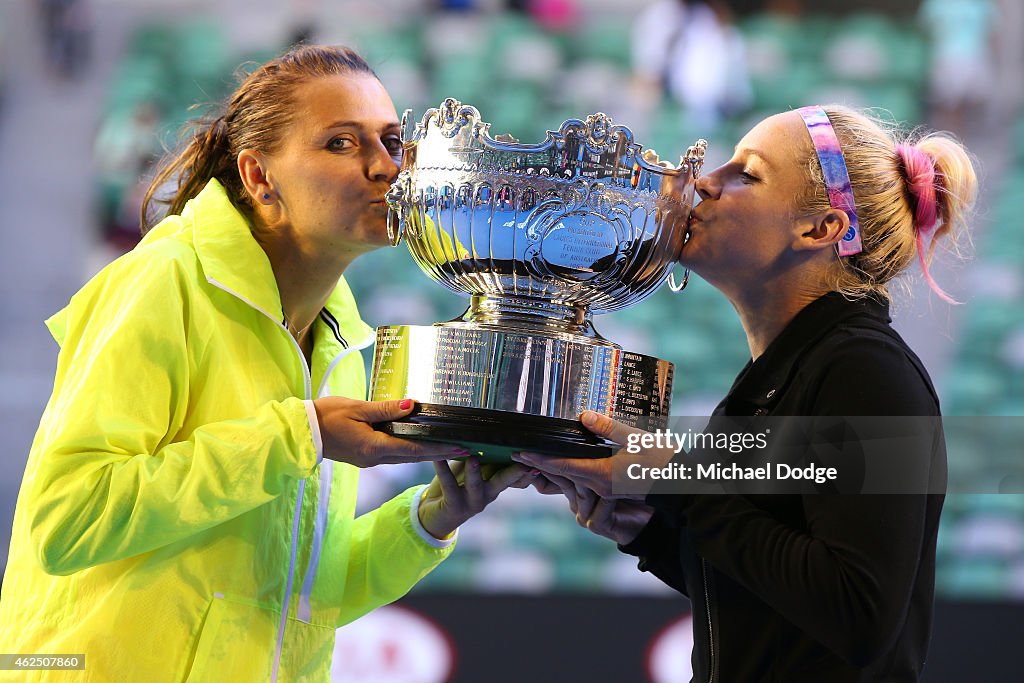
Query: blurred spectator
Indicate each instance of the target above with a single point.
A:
(554, 15)
(65, 27)
(303, 32)
(126, 144)
(791, 9)
(711, 80)
(123, 231)
(304, 21)
(655, 33)
(456, 5)
(693, 53)
(961, 59)
(126, 138)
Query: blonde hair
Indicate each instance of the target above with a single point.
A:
(253, 118)
(886, 198)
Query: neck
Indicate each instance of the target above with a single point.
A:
(305, 279)
(765, 311)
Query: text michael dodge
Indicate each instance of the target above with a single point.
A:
(731, 472)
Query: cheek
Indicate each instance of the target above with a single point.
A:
(748, 241)
(334, 201)
(347, 194)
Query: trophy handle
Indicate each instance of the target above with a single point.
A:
(408, 127)
(397, 195)
(397, 198)
(674, 286)
(694, 159)
(395, 232)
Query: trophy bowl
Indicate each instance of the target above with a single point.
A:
(539, 237)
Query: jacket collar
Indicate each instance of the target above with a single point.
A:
(230, 256)
(760, 382)
(232, 260)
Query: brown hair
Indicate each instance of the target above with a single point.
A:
(886, 200)
(253, 118)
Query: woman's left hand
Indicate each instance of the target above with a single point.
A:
(464, 488)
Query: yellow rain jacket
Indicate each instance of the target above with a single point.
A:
(173, 504)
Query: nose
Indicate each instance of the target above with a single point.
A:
(707, 186)
(382, 165)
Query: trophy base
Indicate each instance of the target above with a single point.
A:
(495, 435)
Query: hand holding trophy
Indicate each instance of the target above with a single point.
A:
(539, 237)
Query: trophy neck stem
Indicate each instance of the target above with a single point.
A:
(531, 314)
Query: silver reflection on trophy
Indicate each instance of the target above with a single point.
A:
(540, 237)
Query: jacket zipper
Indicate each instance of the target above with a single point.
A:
(707, 600)
(707, 597)
(307, 380)
(305, 609)
(711, 630)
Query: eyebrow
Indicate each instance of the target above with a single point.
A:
(754, 153)
(361, 124)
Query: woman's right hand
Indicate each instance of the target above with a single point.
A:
(598, 474)
(617, 519)
(346, 427)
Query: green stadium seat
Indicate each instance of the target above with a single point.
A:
(604, 39)
(972, 577)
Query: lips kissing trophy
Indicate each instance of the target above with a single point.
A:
(539, 237)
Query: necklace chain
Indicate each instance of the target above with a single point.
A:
(297, 333)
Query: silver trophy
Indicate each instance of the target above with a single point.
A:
(539, 237)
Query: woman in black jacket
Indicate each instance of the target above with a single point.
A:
(803, 229)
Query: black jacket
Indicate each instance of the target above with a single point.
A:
(823, 588)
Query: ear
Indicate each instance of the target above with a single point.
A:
(821, 230)
(252, 171)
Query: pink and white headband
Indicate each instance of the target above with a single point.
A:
(837, 178)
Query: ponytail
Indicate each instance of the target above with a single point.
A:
(941, 184)
(956, 185)
(207, 155)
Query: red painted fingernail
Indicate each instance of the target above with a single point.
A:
(405, 404)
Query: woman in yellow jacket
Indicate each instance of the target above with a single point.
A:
(187, 511)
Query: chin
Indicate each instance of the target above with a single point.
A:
(367, 245)
(375, 234)
(378, 238)
(689, 256)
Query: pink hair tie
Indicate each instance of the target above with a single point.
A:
(920, 170)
